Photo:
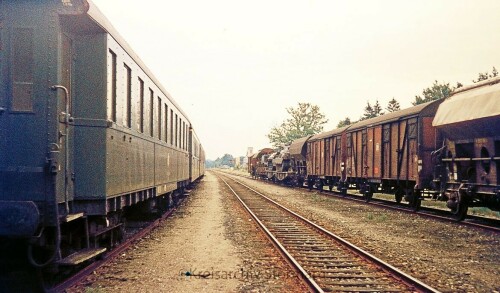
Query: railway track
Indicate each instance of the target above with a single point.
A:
(484, 223)
(111, 255)
(326, 262)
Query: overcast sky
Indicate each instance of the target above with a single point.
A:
(234, 66)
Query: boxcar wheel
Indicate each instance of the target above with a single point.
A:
(320, 186)
(399, 195)
(368, 195)
(416, 203)
(460, 212)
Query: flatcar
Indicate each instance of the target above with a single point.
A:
(86, 133)
(467, 171)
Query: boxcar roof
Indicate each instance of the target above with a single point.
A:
(474, 102)
(329, 133)
(425, 109)
(101, 20)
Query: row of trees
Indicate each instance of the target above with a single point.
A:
(307, 119)
(225, 160)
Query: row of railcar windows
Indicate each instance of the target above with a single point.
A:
(167, 126)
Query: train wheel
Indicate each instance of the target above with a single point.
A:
(417, 200)
(460, 211)
(46, 280)
(368, 194)
(416, 203)
(399, 195)
(320, 186)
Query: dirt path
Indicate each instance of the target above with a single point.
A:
(209, 245)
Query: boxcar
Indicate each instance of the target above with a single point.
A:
(469, 173)
(86, 131)
(326, 159)
(393, 152)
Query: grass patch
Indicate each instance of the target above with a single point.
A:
(377, 218)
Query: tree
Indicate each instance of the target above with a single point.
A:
(435, 92)
(371, 112)
(345, 122)
(393, 106)
(377, 109)
(227, 160)
(305, 120)
(486, 75)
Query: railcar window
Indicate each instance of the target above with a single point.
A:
(171, 126)
(151, 113)
(176, 132)
(22, 64)
(159, 118)
(141, 105)
(166, 123)
(112, 89)
(128, 89)
(183, 135)
(179, 134)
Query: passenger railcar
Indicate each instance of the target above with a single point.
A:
(468, 164)
(86, 131)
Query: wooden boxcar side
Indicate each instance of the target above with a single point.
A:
(393, 152)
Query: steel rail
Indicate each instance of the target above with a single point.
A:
(395, 272)
(425, 212)
(111, 255)
(290, 259)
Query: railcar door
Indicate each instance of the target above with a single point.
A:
(65, 178)
(386, 151)
(412, 149)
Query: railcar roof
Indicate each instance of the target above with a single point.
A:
(101, 20)
(478, 101)
(422, 109)
(296, 145)
(329, 133)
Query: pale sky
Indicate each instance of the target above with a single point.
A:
(234, 66)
